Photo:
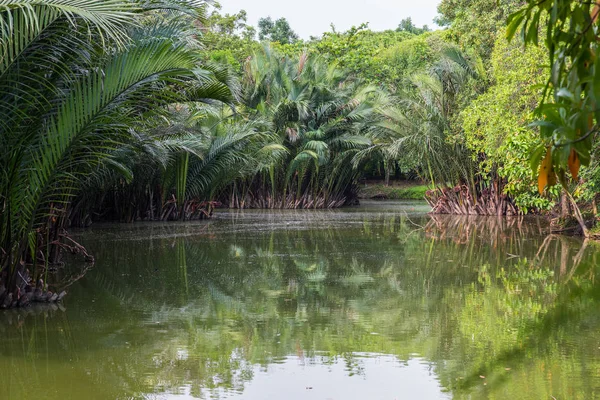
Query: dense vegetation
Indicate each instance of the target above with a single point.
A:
(470, 93)
(160, 110)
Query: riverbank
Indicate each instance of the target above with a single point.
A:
(401, 190)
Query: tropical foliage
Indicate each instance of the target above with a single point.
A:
(81, 82)
(568, 110)
(318, 118)
(419, 125)
(474, 24)
(161, 110)
(496, 124)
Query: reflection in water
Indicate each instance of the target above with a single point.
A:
(380, 301)
(377, 378)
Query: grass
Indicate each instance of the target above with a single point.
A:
(396, 191)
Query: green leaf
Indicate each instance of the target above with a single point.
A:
(514, 21)
(536, 158)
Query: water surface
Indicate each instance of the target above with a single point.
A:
(374, 302)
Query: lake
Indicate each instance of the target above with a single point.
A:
(380, 301)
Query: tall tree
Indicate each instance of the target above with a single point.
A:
(475, 23)
(228, 38)
(276, 31)
(406, 25)
(495, 125)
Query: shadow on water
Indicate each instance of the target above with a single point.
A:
(491, 308)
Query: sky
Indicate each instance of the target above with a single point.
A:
(313, 17)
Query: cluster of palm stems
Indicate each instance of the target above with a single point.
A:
(318, 117)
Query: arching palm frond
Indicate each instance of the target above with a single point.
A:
(81, 133)
(81, 89)
(224, 153)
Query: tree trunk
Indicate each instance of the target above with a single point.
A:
(388, 171)
(564, 205)
(564, 256)
(577, 214)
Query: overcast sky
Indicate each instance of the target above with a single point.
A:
(313, 17)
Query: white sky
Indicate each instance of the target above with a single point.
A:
(313, 17)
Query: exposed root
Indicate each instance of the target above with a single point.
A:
(27, 292)
(18, 287)
(460, 201)
(290, 201)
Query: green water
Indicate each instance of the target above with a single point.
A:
(375, 302)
